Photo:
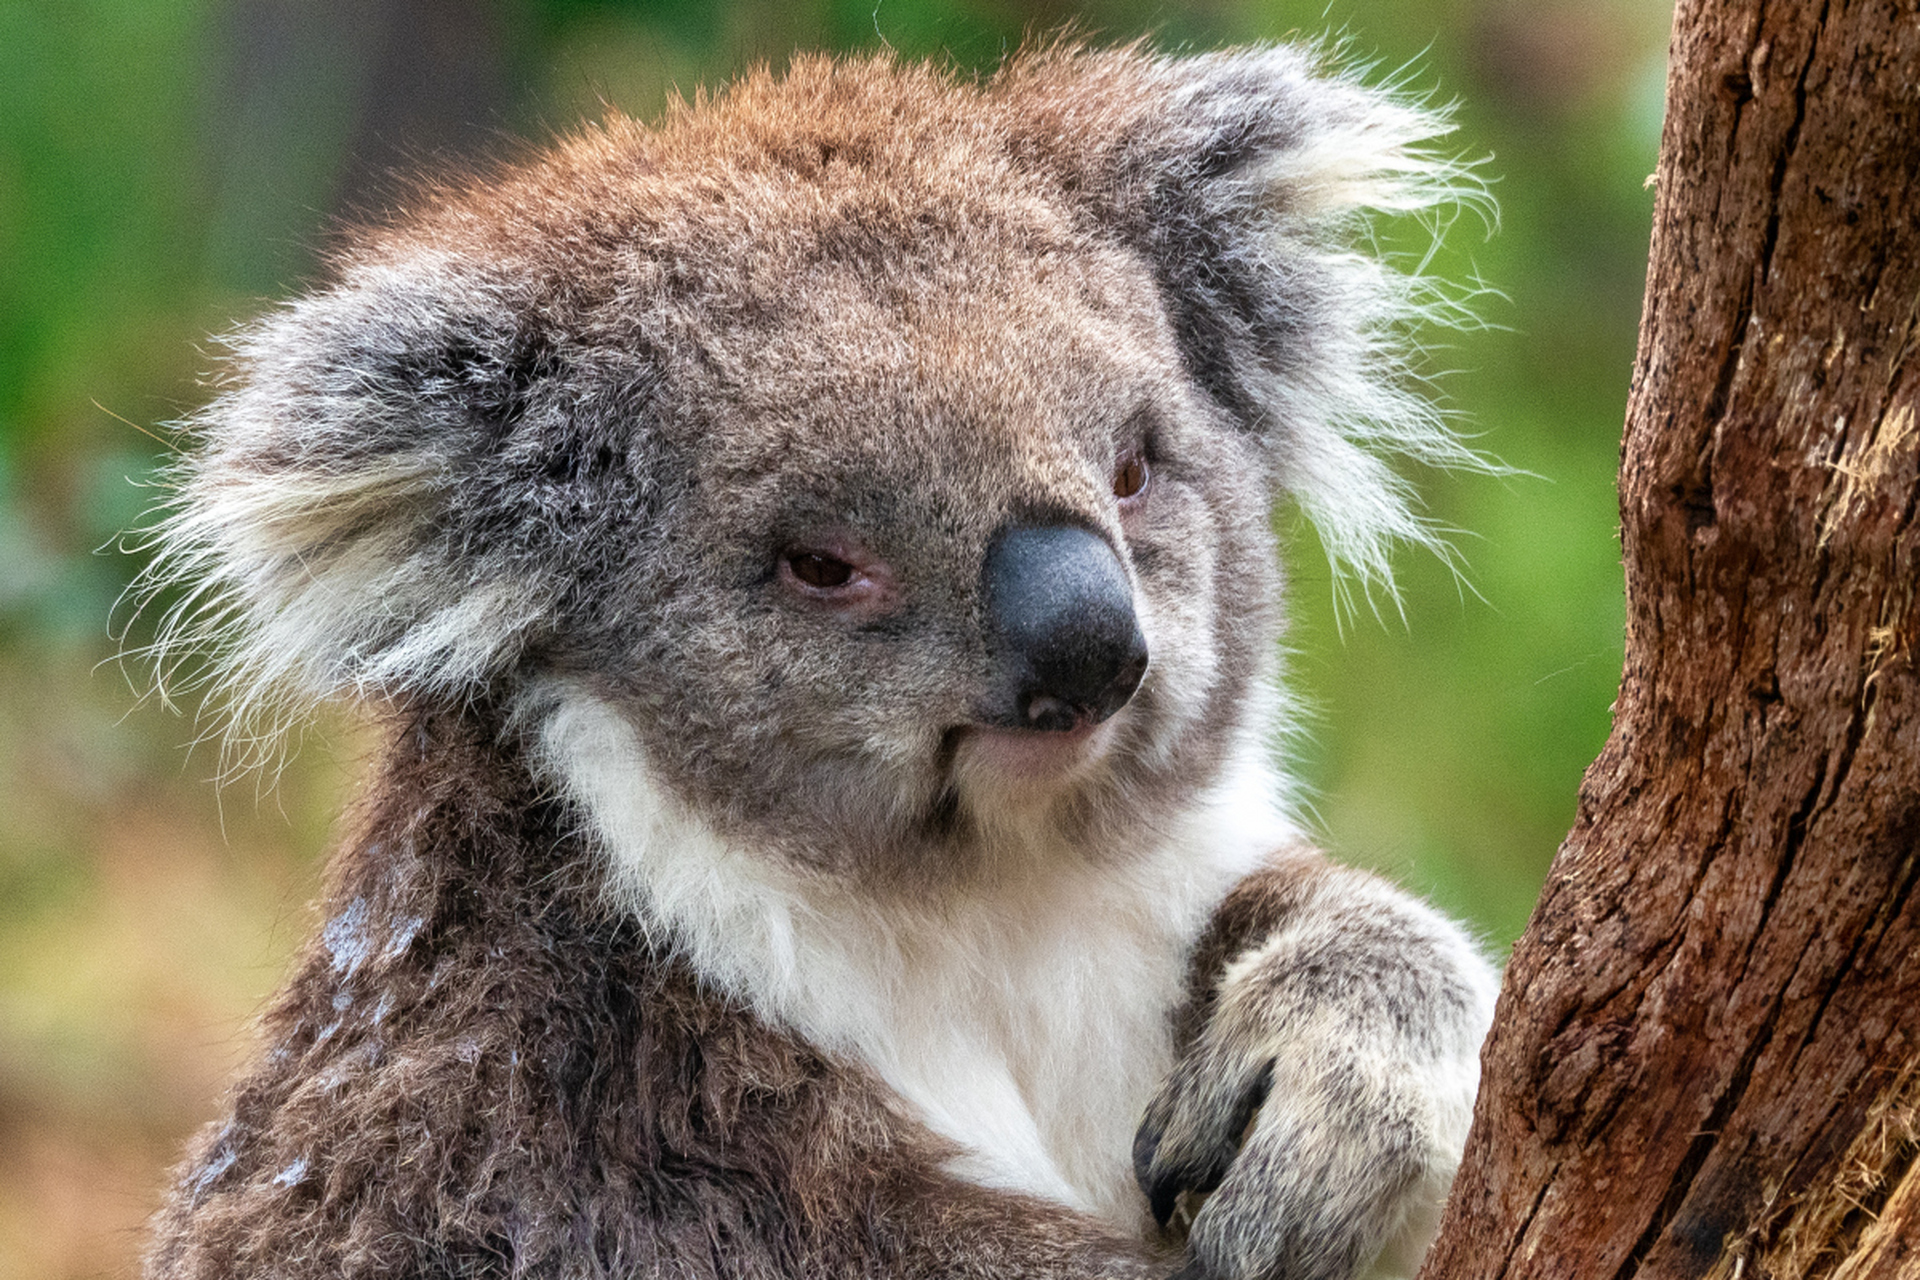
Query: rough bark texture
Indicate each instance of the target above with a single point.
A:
(1707, 1057)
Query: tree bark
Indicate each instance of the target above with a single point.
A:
(1707, 1054)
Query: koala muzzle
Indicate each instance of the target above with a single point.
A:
(1066, 647)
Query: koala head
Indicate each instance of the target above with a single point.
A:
(894, 453)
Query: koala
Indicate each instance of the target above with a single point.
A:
(811, 564)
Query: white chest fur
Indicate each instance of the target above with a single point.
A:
(1026, 1023)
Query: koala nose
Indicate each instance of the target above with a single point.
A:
(1066, 647)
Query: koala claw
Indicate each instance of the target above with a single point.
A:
(1207, 1126)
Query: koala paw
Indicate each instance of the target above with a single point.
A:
(1312, 1129)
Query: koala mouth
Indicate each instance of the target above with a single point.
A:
(990, 760)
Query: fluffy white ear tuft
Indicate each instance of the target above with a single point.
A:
(314, 533)
(1357, 400)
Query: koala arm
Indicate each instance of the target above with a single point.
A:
(1326, 1070)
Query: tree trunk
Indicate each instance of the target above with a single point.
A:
(1707, 1054)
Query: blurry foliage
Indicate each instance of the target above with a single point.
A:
(167, 167)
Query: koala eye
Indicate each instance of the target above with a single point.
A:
(818, 570)
(840, 575)
(1131, 476)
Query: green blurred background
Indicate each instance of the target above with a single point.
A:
(167, 167)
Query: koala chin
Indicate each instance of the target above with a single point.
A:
(812, 561)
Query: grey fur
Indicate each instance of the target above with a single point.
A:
(537, 462)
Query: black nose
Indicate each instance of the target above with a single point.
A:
(1066, 648)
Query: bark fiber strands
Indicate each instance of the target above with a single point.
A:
(1706, 1055)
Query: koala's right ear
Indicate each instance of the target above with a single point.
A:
(1244, 180)
(386, 497)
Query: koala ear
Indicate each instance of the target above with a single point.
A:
(381, 501)
(1245, 180)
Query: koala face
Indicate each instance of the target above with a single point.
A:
(814, 631)
(839, 667)
(894, 454)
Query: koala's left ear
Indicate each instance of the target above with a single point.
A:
(1245, 180)
(400, 491)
